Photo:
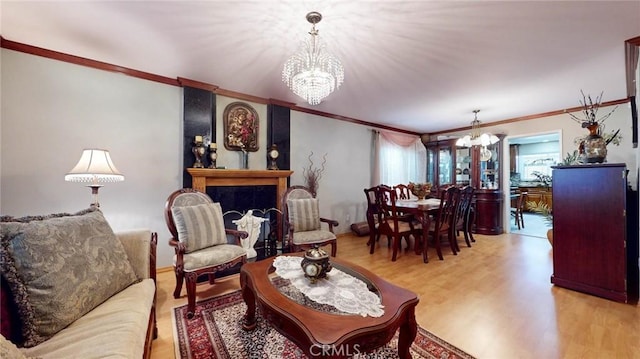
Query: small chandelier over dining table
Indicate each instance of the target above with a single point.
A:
(475, 138)
(312, 73)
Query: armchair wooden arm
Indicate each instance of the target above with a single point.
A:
(331, 222)
(238, 235)
(180, 247)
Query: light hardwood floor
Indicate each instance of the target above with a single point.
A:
(493, 300)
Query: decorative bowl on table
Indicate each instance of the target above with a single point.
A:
(420, 190)
(315, 264)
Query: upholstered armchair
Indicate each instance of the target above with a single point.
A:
(200, 241)
(303, 222)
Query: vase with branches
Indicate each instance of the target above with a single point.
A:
(312, 174)
(590, 111)
(594, 145)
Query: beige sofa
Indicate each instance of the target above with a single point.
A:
(123, 326)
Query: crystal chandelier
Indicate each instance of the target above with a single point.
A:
(312, 73)
(475, 138)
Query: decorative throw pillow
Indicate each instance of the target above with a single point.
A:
(304, 214)
(60, 267)
(199, 226)
(10, 324)
(360, 228)
(8, 350)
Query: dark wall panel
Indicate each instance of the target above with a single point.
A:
(199, 120)
(278, 132)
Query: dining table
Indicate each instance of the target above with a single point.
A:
(422, 210)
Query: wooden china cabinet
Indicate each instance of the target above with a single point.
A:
(489, 198)
(440, 164)
(479, 167)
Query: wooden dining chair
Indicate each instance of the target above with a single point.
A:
(402, 191)
(518, 210)
(393, 223)
(444, 223)
(374, 211)
(464, 215)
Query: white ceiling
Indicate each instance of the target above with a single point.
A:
(422, 66)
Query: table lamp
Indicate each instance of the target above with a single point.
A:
(94, 166)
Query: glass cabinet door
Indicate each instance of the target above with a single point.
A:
(463, 166)
(445, 166)
(490, 166)
(431, 165)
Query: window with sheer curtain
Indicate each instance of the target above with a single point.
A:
(401, 159)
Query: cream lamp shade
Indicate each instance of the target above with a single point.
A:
(95, 166)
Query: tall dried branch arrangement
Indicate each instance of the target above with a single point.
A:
(590, 111)
(312, 175)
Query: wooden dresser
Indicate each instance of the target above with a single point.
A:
(591, 250)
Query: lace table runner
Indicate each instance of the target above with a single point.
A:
(341, 290)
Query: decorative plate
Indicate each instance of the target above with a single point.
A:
(485, 154)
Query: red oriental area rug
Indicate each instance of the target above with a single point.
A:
(216, 332)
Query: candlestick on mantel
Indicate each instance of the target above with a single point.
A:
(198, 150)
(213, 155)
(213, 145)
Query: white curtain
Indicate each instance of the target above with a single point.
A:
(398, 158)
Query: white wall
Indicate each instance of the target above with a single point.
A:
(348, 168)
(51, 110)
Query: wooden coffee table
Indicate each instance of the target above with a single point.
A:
(322, 334)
